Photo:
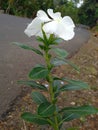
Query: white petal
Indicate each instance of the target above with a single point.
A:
(53, 15)
(50, 27)
(34, 27)
(66, 28)
(39, 34)
(43, 16)
(67, 21)
(64, 33)
(67, 35)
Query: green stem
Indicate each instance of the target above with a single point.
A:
(56, 121)
(50, 81)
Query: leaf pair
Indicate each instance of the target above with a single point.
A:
(45, 110)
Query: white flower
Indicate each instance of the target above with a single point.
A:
(60, 27)
(34, 28)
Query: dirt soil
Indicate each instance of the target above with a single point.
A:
(87, 60)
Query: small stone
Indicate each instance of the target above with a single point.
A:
(62, 82)
(46, 85)
(72, 103)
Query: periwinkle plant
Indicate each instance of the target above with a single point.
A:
(48, 31)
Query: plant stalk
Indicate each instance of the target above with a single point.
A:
(50, 81)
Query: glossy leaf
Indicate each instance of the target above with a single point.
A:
(58, 62)
(33, 84)
(56, 86)
(28, 48)
(61, 53)
(76, 84)
(69, 117)
(33, 118)
(80, 110)
(38, 97)
(68, 87)
(46, 109)
(38, 72)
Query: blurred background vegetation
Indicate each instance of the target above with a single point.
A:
(87, 14)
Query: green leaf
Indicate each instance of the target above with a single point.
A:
(28, 48)
(56, 86)
(38, 97)
(33, 118)
(72, 87)
(75, 84)
(57, 83)
(51, 39)
(81, 110)
(45, 37)
(58, 40)
(61, 53)
(38, 72)
(73, 128)
(42, 47)
(69, 117)
(72, 65)
(33, 84)
(57, 62)
(40, 39)
(46, 109)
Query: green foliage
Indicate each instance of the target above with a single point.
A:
(72, 65)
(61, 53)
(68, 9)
(33, 84)
(79, 111)
(28, 48)
(57, 62)
(46, 109)
(76, 85)
(28, 8)
(38, 97)
(3, 4)
(73, 128)
(34, 118)
(38, 72)
(88, 13)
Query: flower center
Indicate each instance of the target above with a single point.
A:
(58, 20)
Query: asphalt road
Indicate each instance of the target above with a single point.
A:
(15, 63)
